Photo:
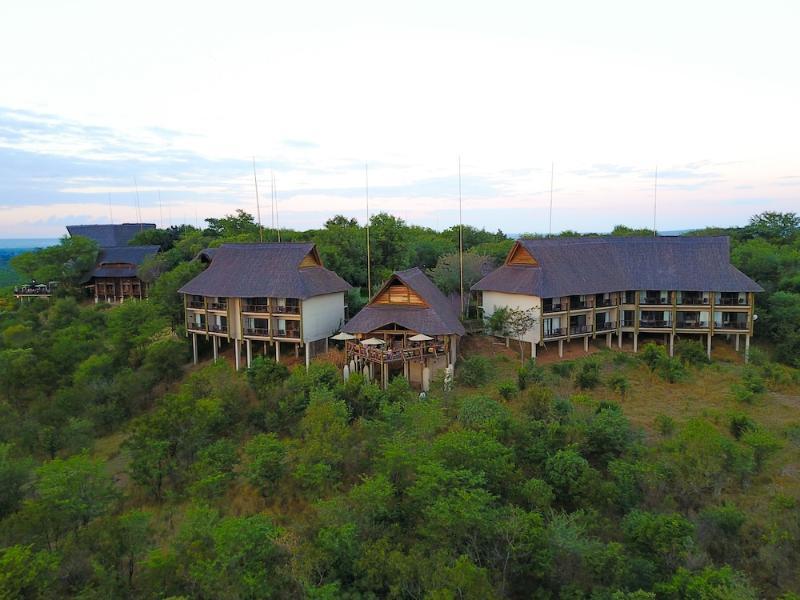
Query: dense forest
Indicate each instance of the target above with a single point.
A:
(127, 473)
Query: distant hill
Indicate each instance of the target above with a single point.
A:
(12, 247)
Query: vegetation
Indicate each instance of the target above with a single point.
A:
(126, 473)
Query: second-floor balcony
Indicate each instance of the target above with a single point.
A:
(655, 324)
(255, 308)
(579, 329)
(292, 333)
(218, 329)
(195, 326)
(256, 331)
(200, 304)
(286, 309)
(552, 307)
(217, 306)
(655, 300)
(606, 326)
(627, 323)
(691, 324)
(555, 333)
(732, 325)
(731, 301)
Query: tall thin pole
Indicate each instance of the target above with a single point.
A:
(272, 201)
(138, 205)
(258, 205)
(552, 171)
(369, 259)
(655, 196)
(460, 239)
(277, 219)
(110, 211)
(160, 211)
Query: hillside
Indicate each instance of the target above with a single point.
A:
(126, 472)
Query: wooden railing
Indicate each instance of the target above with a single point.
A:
(655, 324)
(691, 325)
(388, 355)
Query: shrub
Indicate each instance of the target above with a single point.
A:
(692, 353)
(497, 322)
(588, 377)
(265, 373)
(475, 371)
(619, 383)
(507, 389)
(537, 402)
(665, 425)
(529, 373)
(538, 494)
(763, 444)
(264, 460)
(482, 413)
(652, 354)
(740, 424)
(671, 370)
(563, 369)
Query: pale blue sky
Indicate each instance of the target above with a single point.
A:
(182, 95)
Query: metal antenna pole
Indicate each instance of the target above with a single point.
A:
(272, 200)
(258, 205)
(550, 229)
(160, 211)
(277, 218)
(655, 196)
(460, 239)
(138, 205)
(369, 260)
(110, 211)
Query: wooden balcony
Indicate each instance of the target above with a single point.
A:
(218, 329)
(255, 308)
(394, 355)
(555, 333)
(288, 309)
(655, 324)
(580, 329)
(217, 306)
(553, 308)
(732, 326)
(196, 304)
(607, 326)
(691, 325)
(256, 332)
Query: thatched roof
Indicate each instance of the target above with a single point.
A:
(263, 270)
(121, 262)
(593, 265)
(437, 317)
(109, 236)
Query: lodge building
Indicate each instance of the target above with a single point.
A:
(409, 327)
(273, 297)
(115, 275)
(581, 288)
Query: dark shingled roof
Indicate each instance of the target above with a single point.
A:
(121, 262)
(592, 265)
(109, 236)
(440, 319)
(263, 270)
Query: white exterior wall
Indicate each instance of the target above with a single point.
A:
(494, 300)
(323, 316)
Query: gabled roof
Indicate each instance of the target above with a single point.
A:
(435, 317)
(109, 236)
(567, 266)
(264, 270)
(121, 262)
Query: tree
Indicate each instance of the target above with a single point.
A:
(518, 323)
(212, 472)
(14, 473)
(774, 226)
(25, 573)
(710, 583)
(240, 226)
(164, 292)
(447, 272)
(619, 383)
(264, 461)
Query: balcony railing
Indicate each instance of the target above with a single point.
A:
(218, 306)
(580, 305)
(196, 304)
(732, 301)
(554, 333)
(655, 300)
(686, 301)
(389, 355)
(286, 333)
(288, 309)
(655, 324)
(579, 329)
(606, 326)
(553, 308)
(259, 331)
(32, 290)
(604, 303)
(194, 326)
(627, 323)
(256, 308)
(218, 329)
(691, 325)
(731, 325)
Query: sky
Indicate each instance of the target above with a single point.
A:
(178, 99)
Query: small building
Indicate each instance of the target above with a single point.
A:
(34, 289)
(115, 276)
(407, 306)
(275, 295)
(579, 288)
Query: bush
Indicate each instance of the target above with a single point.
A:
(692, 353)
(529, 373)
(563, 369)
(740, 424)
(652, 354)
(763, 444)
(507, 389)
(264, 461)
(475, 371)
(588, 377)
(671, 370)
(537, 403)
(665, 425)
(619, 383)
(164, 359)
(482, 413)
(264, 373)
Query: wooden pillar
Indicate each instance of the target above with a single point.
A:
(736, 342)
(194, 348)
(385, 375)
(277, 351)
(326, 345)
(405, 369)
(671, 344)
(533, 350)
(236, 351)
(709, 346)
(214, 344)
(249, 353)
(586, 343)
(560, 348)
(308, 356)
(619, 339)
(746, 348)
(636, 342)
(296, 351)
(608, 340)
